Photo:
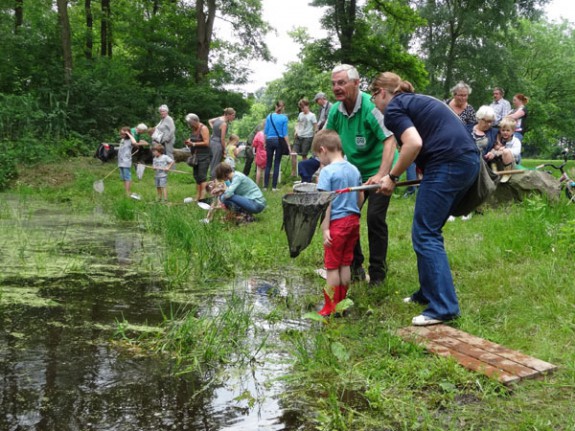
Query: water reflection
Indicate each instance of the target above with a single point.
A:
(59, 369)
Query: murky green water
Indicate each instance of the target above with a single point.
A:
(65, 282)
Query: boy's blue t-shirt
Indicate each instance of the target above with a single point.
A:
(336, 176)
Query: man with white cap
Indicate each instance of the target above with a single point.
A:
(321, 100)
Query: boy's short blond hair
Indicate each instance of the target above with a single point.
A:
(329, 139)
(507, 123)
(159, 148)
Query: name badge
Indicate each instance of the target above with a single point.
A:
(359, 141)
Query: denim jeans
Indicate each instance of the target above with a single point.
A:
(443, 185)
(306, 169)
(274, 154)
(411, 174)
(239, 203)
(377, 235)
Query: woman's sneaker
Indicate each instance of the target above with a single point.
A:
(423, 320)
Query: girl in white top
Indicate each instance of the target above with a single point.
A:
(507, 150)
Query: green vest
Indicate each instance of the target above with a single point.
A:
(362, 134)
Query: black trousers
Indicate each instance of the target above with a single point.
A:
(377, 235)
(249, 161)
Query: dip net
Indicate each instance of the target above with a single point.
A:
(305, 187)
(301, 214)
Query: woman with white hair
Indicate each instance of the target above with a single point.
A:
(458, 104)
(483, 133)
(165, 131)
(200, 157)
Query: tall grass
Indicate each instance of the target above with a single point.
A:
(513, 270)
(202, 338)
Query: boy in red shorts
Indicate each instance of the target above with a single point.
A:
(340, 227)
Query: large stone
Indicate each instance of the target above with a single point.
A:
(181, 155)
(525, 184)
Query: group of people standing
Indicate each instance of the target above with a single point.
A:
(445, 140)
(207, 149)
(497, 128)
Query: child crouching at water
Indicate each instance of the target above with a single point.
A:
(161, 164)
(242, 195)
(340, 226)
(215, 189)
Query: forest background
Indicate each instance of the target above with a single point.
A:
(73, 71)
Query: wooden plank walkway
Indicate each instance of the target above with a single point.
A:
(474, 353)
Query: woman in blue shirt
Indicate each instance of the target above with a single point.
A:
(433, 136)
(276, 127)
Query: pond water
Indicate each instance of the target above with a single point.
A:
(65, 283)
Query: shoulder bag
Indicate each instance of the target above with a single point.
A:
(283, 143)
(479, 192)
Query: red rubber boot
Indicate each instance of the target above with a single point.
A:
(342, 293)
(329, 306)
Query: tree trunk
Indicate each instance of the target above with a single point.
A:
(205, 29)
(18, 15)
(106, 30)
(89, 29)
(66, 35)
(345, 14)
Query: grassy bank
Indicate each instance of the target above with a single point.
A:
(513, 272)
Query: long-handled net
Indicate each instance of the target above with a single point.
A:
(301, 213)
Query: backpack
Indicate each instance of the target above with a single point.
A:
(105, 152)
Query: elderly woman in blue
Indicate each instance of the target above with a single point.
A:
(433, 136)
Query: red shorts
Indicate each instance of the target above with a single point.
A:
(344, 235)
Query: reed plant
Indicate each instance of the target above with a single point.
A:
(203, 337)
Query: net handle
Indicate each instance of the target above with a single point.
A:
(375, 186)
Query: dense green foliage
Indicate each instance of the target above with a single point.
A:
(435, 44)
(127, 60)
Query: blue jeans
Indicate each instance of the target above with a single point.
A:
(274, 154)
(411, 174)
(306, 169)
(239, 203)
(443, 185)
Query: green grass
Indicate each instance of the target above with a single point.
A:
(513, 269)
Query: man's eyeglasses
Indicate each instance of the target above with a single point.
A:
(374, 95)
(340, 83)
